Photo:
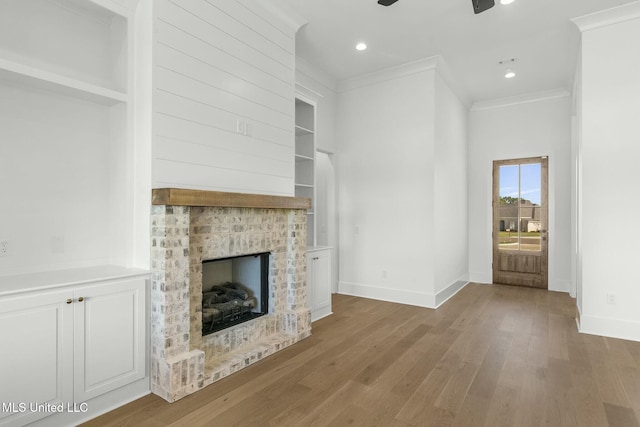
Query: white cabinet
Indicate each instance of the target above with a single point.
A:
(109, 337)
(62, 347)
(319, 282)
(36, 354)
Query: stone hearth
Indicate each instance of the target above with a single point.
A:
(182, 360)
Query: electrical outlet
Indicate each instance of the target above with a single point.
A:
(4, 248)
(611, 299)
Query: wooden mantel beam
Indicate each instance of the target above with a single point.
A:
(184, 197)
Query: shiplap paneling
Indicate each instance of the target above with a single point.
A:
(198, 133)
(217, 63)
(199, 177)
(210, 116)
(193, 46)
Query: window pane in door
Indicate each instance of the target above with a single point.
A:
(520, 194)
(509, 237)
(509, 184)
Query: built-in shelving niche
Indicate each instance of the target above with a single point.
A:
(305, 160)
(66, 162)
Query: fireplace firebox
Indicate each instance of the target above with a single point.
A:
(234, 290)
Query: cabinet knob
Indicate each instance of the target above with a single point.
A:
(69, 300)
(80, 299)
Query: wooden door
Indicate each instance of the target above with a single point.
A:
(520, 215)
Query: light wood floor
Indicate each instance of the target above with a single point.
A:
(492, 356)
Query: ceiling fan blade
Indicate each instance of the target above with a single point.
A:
(386, 2)
(482, 5)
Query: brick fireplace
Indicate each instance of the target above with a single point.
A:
(190, 226)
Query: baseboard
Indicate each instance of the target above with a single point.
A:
(321, 313)
(560, 285)
(400, 296)
(445, 294)
(613, 328)
(481, 278)
(98, 405)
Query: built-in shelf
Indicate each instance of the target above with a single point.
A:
(66, 70)
(34, 77)
(305, 152)
(303, 131)
(301, 158)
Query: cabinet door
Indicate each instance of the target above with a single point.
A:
(310, 283)
(109, 337)
(36, 350)
(322, 281)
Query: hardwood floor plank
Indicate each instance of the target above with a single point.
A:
(492, 355)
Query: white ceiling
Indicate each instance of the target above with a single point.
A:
(538, 33)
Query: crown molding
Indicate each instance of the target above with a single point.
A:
(610, 16)
(284, 13)
(520, 99)
(444, 71)
(317, 74)
(386, 74)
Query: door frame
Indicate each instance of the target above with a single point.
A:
(544, 215)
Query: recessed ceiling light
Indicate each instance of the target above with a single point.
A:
(361, 46)
(506, 1)
(509, 74)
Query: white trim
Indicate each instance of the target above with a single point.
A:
(444, 71)
(99, 405)
(308, 93)
(321, 313)
(607, 327)
(482, 278)
(376, 77)
(447, 293)
(603, 18)
(284, 13)
(316, 74)
(520, 99)
(563, 285)
(399, 296)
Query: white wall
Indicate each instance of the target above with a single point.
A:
(385, 171)
(610, 149)
(54, 181)
(388, 147)
(516, 128)
(218, 64)
(450, 188)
